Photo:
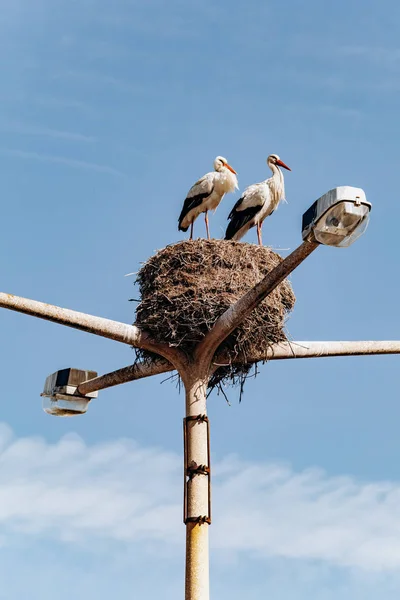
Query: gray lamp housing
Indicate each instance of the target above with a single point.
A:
(60, 397)
(338, 218)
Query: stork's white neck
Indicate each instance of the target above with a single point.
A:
(276, 182)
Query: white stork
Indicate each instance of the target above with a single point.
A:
(207, 193)
(257, 202)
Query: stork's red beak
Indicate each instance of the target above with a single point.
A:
(282, 164)
(231, 169)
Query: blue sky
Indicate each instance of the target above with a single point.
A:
(109, 112)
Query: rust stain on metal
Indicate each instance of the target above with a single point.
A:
(195, 533)
(197, 577)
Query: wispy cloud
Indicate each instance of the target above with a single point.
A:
(23, 129)
(61, 160)
(364, 68)
(150, 23)
(329, 49)
(327, 110)
(340, 111)
(378, 55)
(96, 48)
(72, 491)
(183, 20)
(62, 103)
(101, 79)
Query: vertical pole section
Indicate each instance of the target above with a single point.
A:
(197, 514)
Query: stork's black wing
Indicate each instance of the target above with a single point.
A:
(235, 207)
(201, 190)
(239, 218)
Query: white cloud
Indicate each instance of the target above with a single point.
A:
(121, 492)
(116, 490)
(309, 515)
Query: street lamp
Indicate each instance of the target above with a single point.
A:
(338, 218)
(61, 397)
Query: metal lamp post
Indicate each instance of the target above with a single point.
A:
(336, 219)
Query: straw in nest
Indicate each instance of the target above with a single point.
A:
(185, 287)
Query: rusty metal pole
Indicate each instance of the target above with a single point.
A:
(197, 491)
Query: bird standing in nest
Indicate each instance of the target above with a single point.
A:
(207, 193)
(257, 202)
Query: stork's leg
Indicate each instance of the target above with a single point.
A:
(191, 231)
(206, 220)
(259, 234)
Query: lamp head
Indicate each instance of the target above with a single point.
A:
(338, 218)
(60, 396)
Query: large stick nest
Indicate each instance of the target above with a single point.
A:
(185, 287)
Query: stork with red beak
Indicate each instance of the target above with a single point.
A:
(257, 202)
(207, 193)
